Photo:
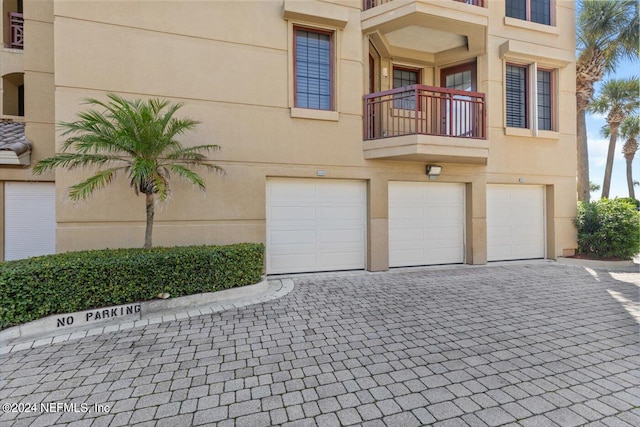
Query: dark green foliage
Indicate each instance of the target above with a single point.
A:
(608, 229)
(76, 281)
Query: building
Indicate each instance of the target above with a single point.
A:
(355, 135)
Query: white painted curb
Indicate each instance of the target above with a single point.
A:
(68, 323)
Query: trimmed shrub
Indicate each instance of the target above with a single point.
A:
(608, 229)
(76, 281)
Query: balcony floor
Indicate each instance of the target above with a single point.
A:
(428, 148)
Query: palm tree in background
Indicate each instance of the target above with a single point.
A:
(134, 137)
(607, 32)
(629, 130)
(617, 99)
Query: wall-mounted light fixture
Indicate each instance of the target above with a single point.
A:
(433, 171)
(385, 72)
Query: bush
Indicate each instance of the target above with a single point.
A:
(608, 229)
(76, 281)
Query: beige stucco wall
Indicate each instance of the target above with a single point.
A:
(230, 63)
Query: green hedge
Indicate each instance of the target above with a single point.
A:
(76, 281)
(608, 229)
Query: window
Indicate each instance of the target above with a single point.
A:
(516, 83)
(530, 10)
(313, 69)
(519, 101)
(403, 77)
(545, 121)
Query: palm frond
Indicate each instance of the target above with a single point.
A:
(187, 174)
(192, 153)
(608, 30)
(97, 181)
(161, 184)
(74, 160)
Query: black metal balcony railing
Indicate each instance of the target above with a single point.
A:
(368, 4)
(16, 30)
(425, 110)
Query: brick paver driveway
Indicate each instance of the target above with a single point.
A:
(529, 344)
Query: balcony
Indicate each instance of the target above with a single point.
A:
(426, 31)
(16, 30)
(368, 4)
(425, 123)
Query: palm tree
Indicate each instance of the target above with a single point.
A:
(607, 31)
(135, 137)
(629, 130)
(618, 99)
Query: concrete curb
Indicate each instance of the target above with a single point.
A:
(64, 327)
(592, 263)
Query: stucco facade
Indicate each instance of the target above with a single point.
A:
(232, 64)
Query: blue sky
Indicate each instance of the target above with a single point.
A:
(599, 145)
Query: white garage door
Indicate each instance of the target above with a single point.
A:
(515, 222)
(315, 225)
(29, 219)
(426, 223)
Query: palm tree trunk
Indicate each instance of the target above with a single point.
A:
(609, 166)
(632, 193)
(149, 229)
(583, 157)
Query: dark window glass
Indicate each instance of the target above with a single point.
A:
(402, 78)
(516, 9)
(541, 11)
(313, 69)
(538, 10)
(544, 100)
(516, 82)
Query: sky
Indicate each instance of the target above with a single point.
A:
(598, 145)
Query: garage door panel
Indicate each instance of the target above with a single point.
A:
(444, 215)
(29, 219)
(405, 194)
(315, 225)
(443, 255)
(288, 213)
(408, 235)
(341, 260)
(341, 213)
(287, 261)
(399, 214)
(291, 191)
(339, 191)
(528, 251)
(530, 233)
(341, 236)
(501, 216)
(515, 222)
(443, 196)
(406, 257)
(446, 234)
(423, 219)
(293, 237)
